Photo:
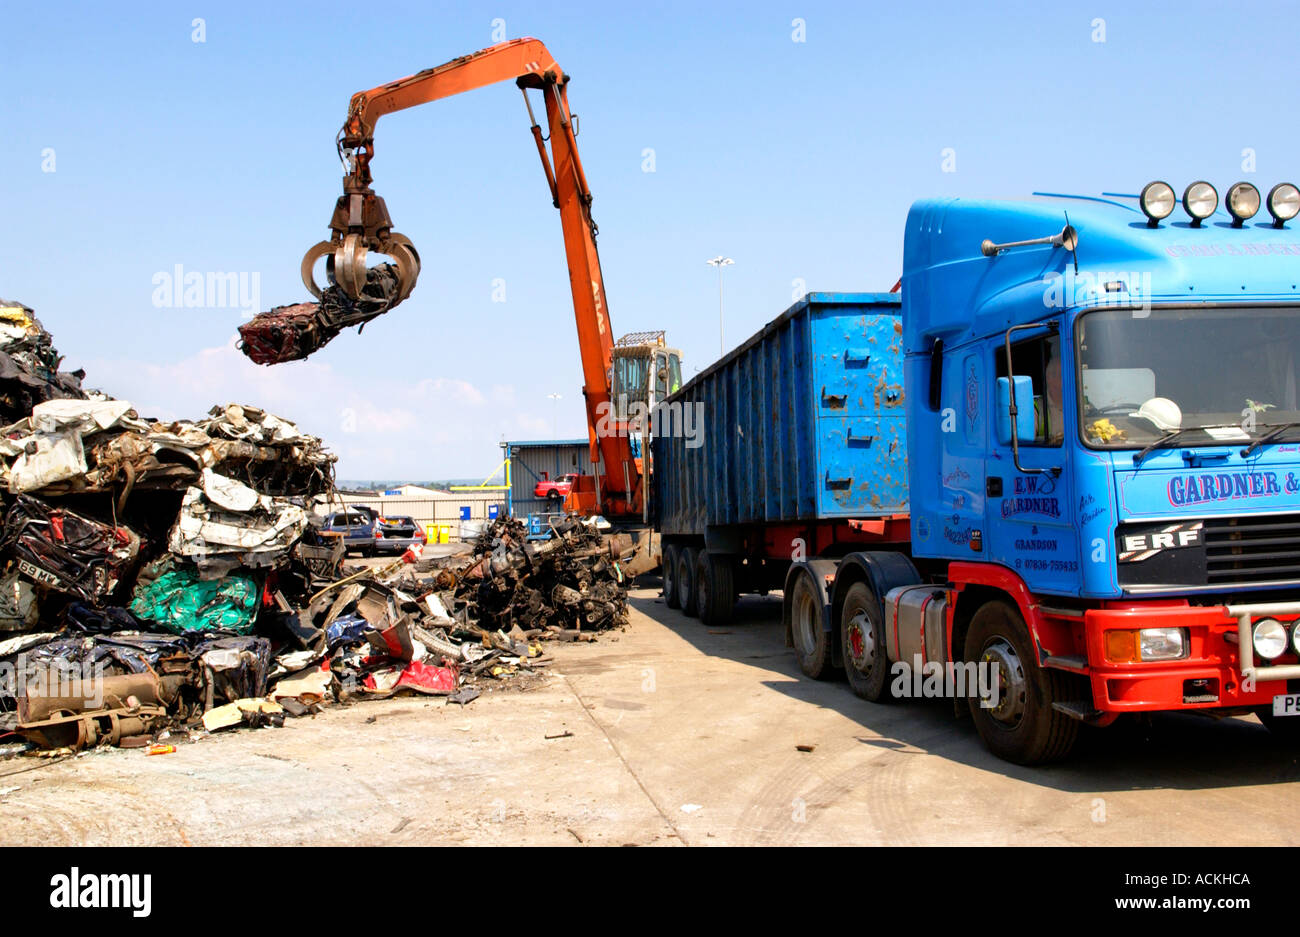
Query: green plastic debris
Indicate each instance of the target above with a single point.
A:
(181, 602)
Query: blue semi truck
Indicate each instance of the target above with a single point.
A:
(1058, 471)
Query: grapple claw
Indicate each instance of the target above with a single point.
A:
(345, 264)
(316, 252)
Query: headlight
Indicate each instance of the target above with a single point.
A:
(1242, 202)
(1161, 643)
(1270, 638)
(1124, 646)
(1157, 201)
(1295, 638)
(1200, 200)
(1283, 203)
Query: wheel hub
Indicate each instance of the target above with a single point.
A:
(861, 643)
(1008, 674)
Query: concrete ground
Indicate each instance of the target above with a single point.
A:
(667, 733)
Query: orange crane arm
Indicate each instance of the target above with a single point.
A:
(361, 212)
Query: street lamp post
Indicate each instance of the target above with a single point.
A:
(720, 262)
(555, 415)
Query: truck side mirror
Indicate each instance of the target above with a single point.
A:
(1024, 407)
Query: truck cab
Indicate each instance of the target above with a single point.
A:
(1104, 441)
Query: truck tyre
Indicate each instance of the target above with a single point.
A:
(686, 561)
(669, 561)
(1023, 728)
(812, 645)
(1284, 728)
(715, 594)
(862, 636)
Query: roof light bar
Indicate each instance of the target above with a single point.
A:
(1200, 199)
(1283, 203)
(1157, 201)
(1242, 202)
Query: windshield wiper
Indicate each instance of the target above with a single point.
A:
(1268, 437)
(1174, 434)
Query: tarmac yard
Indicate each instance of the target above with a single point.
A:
(667, 733)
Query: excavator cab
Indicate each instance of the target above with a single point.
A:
(645, 372)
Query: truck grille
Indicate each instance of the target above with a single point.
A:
(1252, 549)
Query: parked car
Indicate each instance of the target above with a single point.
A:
(554, 490)
(397, 534)
(358, 526)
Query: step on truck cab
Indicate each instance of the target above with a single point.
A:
(1102, 463)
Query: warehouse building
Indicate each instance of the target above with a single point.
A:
(532, 460)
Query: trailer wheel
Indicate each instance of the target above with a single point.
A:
(715, 594)
(1283, 728)
(1023, 727)
(812, 645)
(669, 563)
(686, 580)
(862, 633)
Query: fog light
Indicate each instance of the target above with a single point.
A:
(1162, 643)
(1200, 199)
(1157, 201)
(1283, 203)
(1242, 203)
(1270, 638)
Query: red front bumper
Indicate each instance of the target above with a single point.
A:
(1209, 676)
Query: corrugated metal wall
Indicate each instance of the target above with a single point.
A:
(528, 460)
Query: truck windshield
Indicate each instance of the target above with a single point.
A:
(1146, 373)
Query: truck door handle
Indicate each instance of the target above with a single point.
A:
(834, 401)
(844, 482)
(850, 439)
(855, 355)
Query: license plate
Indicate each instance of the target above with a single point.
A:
(35, 572)
(1286, 704)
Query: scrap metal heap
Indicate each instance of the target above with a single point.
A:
(572, 583)
(29, 365)
(162, 579)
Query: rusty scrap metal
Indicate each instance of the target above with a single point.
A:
(289, 333)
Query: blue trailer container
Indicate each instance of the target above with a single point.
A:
(802, 422)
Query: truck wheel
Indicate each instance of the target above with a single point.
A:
(1284, 728)
(812, 645)
(669, 564)
(1023, 727)
(686, 561)
(715, 594)
(862, 633)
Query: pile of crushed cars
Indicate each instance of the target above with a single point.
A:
(162, 580)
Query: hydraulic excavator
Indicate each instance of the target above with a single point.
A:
(638, 369)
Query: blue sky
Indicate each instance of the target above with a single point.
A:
(797, 159)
